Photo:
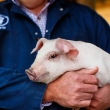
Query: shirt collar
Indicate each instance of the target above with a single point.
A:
(51, 1)
(16, 2)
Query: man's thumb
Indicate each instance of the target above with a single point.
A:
(92, 71)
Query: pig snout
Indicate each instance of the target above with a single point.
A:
(31, 74)
(38, 75)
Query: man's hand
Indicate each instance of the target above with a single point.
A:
(101, 99)
(73, 89)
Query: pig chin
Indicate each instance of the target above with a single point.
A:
(43, 78)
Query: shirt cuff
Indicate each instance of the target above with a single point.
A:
(45, 105)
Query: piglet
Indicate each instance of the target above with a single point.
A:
(57, 56)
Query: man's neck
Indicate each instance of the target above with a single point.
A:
(34, 7)
(37, 9)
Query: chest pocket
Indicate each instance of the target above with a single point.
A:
(72, 34)
(8, 48)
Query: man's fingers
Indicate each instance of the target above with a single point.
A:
(85, 96)
(84, 103)
(91, 71)
(90, 79)
(87, 88)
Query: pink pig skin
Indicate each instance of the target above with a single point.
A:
(55, 57)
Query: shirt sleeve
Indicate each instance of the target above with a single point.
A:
(17, 92)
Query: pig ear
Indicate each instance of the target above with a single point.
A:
(39, 44)
(66, 47)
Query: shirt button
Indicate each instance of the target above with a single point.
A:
(36, 33)
(39, 18)
(61, 9)
(46, 31)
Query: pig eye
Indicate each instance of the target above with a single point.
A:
(52, 56)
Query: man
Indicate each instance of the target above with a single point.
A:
(23, 22)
